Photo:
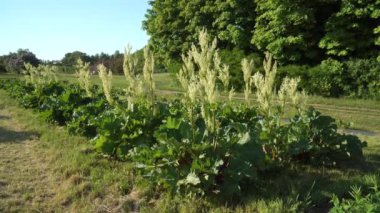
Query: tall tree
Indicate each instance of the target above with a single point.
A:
(289, 29)
(376, 15)
(174, 24)
(232, 22)
(350, 32)
(166, 27)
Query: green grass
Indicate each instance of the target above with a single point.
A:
(164, 81)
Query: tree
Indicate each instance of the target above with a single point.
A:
(115, 62)
(166, 27)
(14, 62)
(350, 32)
(376, 15)
(70, 59)
(231, 22)
(2, 63)
(291, 29)
(174, 24)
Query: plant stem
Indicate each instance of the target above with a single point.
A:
(192, 122)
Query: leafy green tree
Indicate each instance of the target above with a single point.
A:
(350, 32)
(115, 62)
(231, 22)
(174, 24)
(376, 15)
(290, 30)
(166, 27)
(70, 59)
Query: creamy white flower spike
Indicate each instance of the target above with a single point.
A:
(106, 78)
(84, 76)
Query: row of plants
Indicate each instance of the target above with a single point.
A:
(201, 145)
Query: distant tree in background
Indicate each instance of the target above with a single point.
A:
(70, 59)
(14, 62)
(113, 62)
(2, 64)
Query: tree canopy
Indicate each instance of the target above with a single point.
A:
(173, 25)
(294, 31)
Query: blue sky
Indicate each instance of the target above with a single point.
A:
(51, 28)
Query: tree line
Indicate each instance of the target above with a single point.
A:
(14, 61)
(294, 31)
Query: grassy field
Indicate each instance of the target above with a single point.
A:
(362, 114)
(42, 169)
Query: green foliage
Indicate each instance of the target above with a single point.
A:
(285, 29)
(184, 161)
(355, 19)
(173, 25)
(358, 202)
(59, 107)
(83, 121)
(70, 59)
(312, 137)
(356, 78)
(120, 130)
(300, 32)
(353, 78)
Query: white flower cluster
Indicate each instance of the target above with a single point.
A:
(106, 78)
(41, 75)
(135, 89)
(84, 76)
(148, 74)
(265, 90)
(201, 69)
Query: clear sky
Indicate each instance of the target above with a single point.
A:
(51, 28)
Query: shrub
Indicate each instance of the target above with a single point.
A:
(328, 79)
(358, 78)
(364, 78)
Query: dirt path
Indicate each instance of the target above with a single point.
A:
(25, 185)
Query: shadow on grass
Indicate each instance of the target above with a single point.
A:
(313, 186)
(10, 136)
(4, 117)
